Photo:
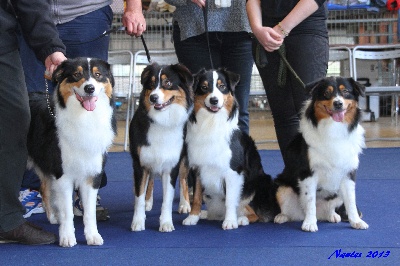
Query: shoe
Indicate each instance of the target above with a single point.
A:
(32, 201)
(28, 234)
(101, 212)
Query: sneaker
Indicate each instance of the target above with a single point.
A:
(101, 212)
(32, 201)
(28, 234)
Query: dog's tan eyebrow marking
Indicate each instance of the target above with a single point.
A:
(342, 87)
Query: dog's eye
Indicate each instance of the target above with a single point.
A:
(77, 75)
(167, 83)
(204, 88)
(221, 87)
(327, 94)
(97, 75)
(345, 92)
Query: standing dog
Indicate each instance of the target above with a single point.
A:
(226, 160)
(156, 135)
(322, 160)
(68, 141)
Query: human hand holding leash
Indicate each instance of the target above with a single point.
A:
(52, 62)
(270, 38)
(133, 18)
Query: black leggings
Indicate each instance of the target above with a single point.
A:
(308, 55)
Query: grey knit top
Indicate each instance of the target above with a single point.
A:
(226, 19)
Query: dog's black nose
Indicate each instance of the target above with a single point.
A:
(89, 88)
(338, 104)
(153, 98)
(214, 100)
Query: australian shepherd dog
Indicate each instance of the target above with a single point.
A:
(68, 140)
(229, 174)
(320, 173)
(157, 140)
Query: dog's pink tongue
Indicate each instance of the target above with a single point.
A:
(89, 103)
(338, 116)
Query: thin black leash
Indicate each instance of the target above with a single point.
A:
(205, 12)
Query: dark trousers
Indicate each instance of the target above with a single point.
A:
(308, 55)
(77, 35)
(231, 50)
(14, 125)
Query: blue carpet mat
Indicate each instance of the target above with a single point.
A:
(206, 243)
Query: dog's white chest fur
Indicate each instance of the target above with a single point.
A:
(84, 136)
(166, 139)
(208, 147)
(333, 151)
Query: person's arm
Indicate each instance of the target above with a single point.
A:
(39, 31)
(269, 38)
(133, 18)
(38, 28)
(300, 12)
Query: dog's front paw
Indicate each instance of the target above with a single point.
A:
(184, 207)
(334, 218)
(229, 224)
(166, 227)
(137, 225)
(94, 239)
(67, 241)
(281, 218)
(191, 220)
(52, 219)
(360, 224)
(309, 226)
(148, 205)
(203, 214)
(243, 220)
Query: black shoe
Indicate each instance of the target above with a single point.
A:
(28, 234)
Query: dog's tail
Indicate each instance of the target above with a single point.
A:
(264, 202)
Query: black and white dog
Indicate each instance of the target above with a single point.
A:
(157, 134)
(229, 174)
(322, 160)
(68, 140)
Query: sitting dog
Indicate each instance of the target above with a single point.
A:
(157, 134)
(229, 174)
(68, 140)
(322, 160)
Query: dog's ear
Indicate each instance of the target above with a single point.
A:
(310, 87)
(184, 74)
(110, 74)
(357, 86)
(196, 78)
(233, 78)
(148, 72)
(57, 76)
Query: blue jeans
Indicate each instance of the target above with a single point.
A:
(231, 50)
(77, 36)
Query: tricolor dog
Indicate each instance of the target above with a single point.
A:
(229, 174)
(68, 140)
(157, 134)
(320, 174)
